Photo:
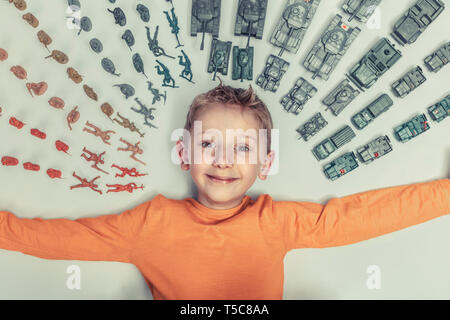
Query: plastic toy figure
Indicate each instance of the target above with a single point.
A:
(298, 96)
(250, 12)
(128, 38)
(408, 82)
(132, 148)
(107, 110)
(372, 111)
(331, 144)
(412, 128)
(109, 67)
(127, 124)
(143, 11)
(374, 149)
(409, 27)
(168, 81)
(155, 92)
(242, 63)
(129, 172)
(440, 110)
(44, 38)
(271, 76)
(9, 161)
(96, 158)
(147, 112)
(329, 49)
(340, 166)
(104, 135)
(90, 92)
(37, 88)
(31, 19)
(74, 75)
(58, 56)
(312, 126)
(16, 123)
(85, 25)
(205, 18)
(439, 58)
(73, 117)
(119, 16)
(374, 64)
(340, 97)
(360, 9)
(293, 24)
(173, 22)
(86, 184)
(153, 44)
(61, 146)
(219, 57)
(186, 63)
(128, 187)
(138, 64)
(126, 89)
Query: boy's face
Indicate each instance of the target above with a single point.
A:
(234, 157)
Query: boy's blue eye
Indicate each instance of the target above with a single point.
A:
(243, 148)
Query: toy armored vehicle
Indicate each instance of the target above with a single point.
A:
(408, 82)
(242, 63)
(440, 110)
(409, 27)
(360, 9)
(292, 26)
(271, 76)
(329, 49)
(374, 64)
(331, 144)
(373, 110)
(205, 18)
(298, 96)
(340, 97)
(250, 19)
(412, 128)
(340, 166)
(312, 126)
(219, 57)
(374, 149)
(439, 58)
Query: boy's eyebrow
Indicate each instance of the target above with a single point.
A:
(248, 136)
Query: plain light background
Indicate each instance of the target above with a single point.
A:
(414, 262)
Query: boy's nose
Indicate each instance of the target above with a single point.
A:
(221, 159)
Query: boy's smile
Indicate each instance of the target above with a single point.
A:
(225, 171)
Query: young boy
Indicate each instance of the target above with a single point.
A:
(224, 245)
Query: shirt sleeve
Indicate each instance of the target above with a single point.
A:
(102, 238)
(360, 216)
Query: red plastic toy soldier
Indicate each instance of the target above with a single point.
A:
(104, 135)
(133, 148)
(94, 157)
(86, 184)
(125, 171)
(128, 187)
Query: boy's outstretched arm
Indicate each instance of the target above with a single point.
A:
(101, 238)
(360, 216)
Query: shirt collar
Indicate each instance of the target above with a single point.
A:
(216, 214)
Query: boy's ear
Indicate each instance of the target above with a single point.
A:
(182, 154)
(264, 171)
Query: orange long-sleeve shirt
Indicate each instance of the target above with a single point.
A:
(188, 251)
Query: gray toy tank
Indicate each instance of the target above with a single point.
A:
(312, 126)
(242, 63)
(412, 128)
(440, 110)
(250, 19)
(373, 110)
(292, 26)
(340, 166)
(340, 97)
(360, 9)
(439, 58)
(331, 144)
(409, 27)
(329, 49)
(374, 64)
(219, 57)
(272, 74)
(409, 82)
(298, 96)
(205, 18)
(374, 149)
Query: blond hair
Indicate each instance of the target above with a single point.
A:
(227, 95)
